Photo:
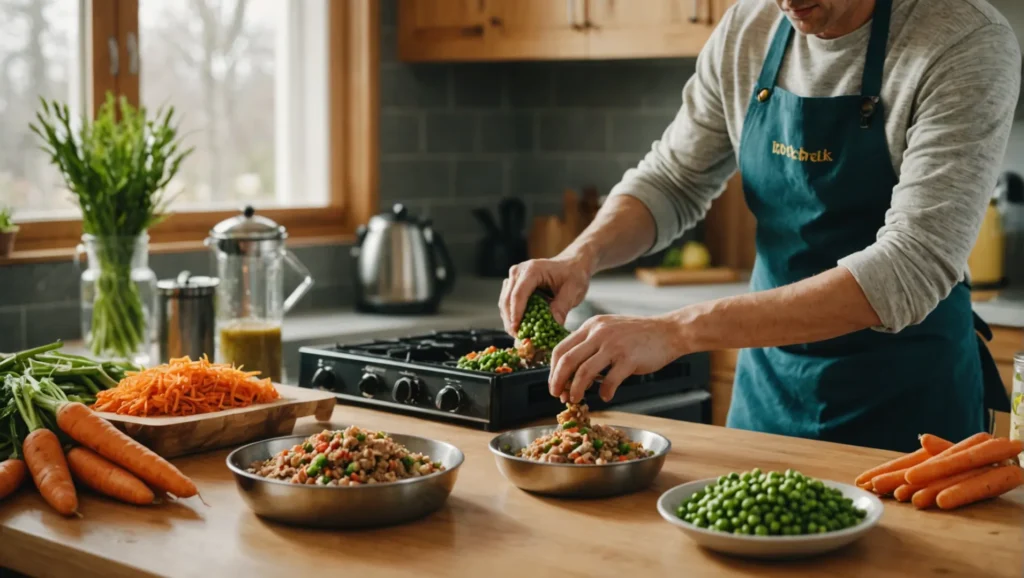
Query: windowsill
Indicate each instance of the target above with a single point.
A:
(52, 255)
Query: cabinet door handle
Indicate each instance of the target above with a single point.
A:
(570, 14)
(694, 9)
(132, 45)
(112, 51)
(477, 30)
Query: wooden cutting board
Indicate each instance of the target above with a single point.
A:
(176, 436)
(661, 276)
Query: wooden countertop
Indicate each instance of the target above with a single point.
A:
(490, 528)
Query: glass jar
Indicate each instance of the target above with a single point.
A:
(118, 297)
(250, 260)
(1017, 401)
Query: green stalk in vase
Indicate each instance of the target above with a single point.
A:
(117, 167)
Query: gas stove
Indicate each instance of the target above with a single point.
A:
(418, 376)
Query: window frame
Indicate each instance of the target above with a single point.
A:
(353, 65)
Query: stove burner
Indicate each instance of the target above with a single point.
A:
(437, 347)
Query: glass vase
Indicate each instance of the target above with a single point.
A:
(118, 297)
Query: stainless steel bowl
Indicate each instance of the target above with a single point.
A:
(340, 506)
(575, 480)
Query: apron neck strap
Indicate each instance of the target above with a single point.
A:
(874, 63)
(871, 82)
(773, 60)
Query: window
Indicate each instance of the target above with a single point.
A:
(248, 79)
(277, 98)
(40, 55)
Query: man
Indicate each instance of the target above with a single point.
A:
(869, 135)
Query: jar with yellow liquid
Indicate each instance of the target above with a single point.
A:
(1017, 401)
(250, 260)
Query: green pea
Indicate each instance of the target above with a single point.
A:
(761, 530)
(730, 504)
(681, 512)
(769, 517)
(746, 529)
(795, 496)
(735, 521)
(773, 491)
(755, 489)
(691, 507)
(756, 472)
(812, 527)
(700, 522)
(742, 495)
(786, 519)
(800, 486)
(713, 517)
(723, 525)
(748, 503)
(745, 477)
(775, 527)
(753, 519)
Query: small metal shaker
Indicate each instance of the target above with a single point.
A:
(186, 316)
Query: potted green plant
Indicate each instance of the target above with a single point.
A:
(8, 231)
(116, 166)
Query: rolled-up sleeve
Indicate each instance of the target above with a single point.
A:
(687, 167)
(955, 146)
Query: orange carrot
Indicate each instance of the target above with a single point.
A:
(995, 482)
(904, 461)
(983, 454)
(905, 492)
(925, 497)
(884, 484)
(12, 474)
(966, 443)
(934, 445)
(45, 460)
(106, 478)
(97, 434)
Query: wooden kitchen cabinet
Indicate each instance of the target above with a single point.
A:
(496, 30)
(650, 28)
(1006, 341)
(432, 30)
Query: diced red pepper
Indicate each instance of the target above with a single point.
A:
(354, 477)
(573, 430)
(621, 458)
(321, 447)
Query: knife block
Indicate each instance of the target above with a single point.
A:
(547, 237)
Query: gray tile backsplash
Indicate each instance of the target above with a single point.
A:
(453, 137)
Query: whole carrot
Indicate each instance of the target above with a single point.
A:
(904, 461)
(983, 454)
(995, 482)
(12, 474)
(933, 444)
(97, 434)
(964, 444)
(925, 497)
(884, 484)
(42, 452)
(905, 492)
(45, 460)
(106, 478)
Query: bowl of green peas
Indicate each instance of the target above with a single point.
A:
(770, 514)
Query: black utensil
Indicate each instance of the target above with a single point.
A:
(512, 212)
(484, 217)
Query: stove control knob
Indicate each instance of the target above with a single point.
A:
(324, 378)
(369, 384)
(406, 390)
(450, 398)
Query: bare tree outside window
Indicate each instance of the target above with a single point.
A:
(36, 56)
(214, 61)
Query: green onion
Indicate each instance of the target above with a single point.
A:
(117, 166)
(361, 437)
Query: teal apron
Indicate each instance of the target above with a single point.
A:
(818, 176)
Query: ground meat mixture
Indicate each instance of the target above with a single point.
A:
(346, 458)
(577, 441)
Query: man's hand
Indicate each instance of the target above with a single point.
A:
(625, 345)
(567, 277)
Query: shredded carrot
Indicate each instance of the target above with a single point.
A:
(185, 387)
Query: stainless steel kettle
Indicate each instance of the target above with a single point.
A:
(402, 265)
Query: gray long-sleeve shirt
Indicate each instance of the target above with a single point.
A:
(951, 82)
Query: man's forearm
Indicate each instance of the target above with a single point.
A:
(621, 231)
(822, 307)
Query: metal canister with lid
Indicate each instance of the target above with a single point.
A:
(1017, 401)
(187, 316)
